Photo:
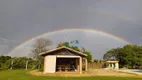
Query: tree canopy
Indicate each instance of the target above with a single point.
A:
(6, 62)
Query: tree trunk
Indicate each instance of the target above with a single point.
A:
(35, 65)
(27, 64)
(11, 64)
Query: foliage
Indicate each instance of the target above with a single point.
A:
(18, 62)
(98, 61)
(3, 61)
(89, 55)
(112, 54)
(129, 56)
(63, 44)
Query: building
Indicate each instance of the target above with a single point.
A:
(63, 59)
(112, 64)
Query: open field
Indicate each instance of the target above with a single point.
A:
(22, 75)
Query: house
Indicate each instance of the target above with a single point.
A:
(64, 59)
(112, 64)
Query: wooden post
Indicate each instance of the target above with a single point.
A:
(86, 65)
(27, 64)
(80, 64)
(11, 64)
(77, 64)
(44, 65)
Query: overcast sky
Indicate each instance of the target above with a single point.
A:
(21, 20)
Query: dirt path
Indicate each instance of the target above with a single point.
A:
(95, 72)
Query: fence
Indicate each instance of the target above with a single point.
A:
(95, 65)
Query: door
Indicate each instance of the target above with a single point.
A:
(50, 64)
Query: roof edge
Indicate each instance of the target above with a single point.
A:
(46, 52)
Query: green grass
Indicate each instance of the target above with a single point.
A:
(21, 75)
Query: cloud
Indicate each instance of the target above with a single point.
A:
(23, 19)
(3, 49)
(7, 40)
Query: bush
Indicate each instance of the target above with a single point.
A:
(41, 69)
(3, 67)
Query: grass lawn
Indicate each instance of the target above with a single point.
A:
(21, 75)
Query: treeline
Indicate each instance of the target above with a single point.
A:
(7, 62)
(130, 56)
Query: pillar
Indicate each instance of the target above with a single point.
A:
(44, 71)
(80, 65)
(86, 64)
(77, 64)
(116, 66)
(108, 65)
(112, 65)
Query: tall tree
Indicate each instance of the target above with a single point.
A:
(40, 46)
(112, 54)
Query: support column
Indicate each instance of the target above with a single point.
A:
(44, 71)
(112, 66)
(86, 65)
(109, 65)
(80, 65)
(116, 65)
(77, 64)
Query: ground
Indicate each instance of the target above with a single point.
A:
(91, 72)
(22, 75)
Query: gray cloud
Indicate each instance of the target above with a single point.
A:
(21, 20)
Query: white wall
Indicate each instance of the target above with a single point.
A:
(50, 64)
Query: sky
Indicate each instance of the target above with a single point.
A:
(21, 20)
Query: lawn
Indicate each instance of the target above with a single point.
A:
(21, 75)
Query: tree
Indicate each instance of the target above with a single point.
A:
(7, 62)
(3, 61)
(89, 55)
(66, 44)
(40, 46)
(129, 56)
(112, 54)
(75, 48)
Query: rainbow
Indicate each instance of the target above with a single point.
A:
(72, 29)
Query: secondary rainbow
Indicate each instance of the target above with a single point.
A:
(72, 29)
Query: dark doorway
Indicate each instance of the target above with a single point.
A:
(66, 64)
